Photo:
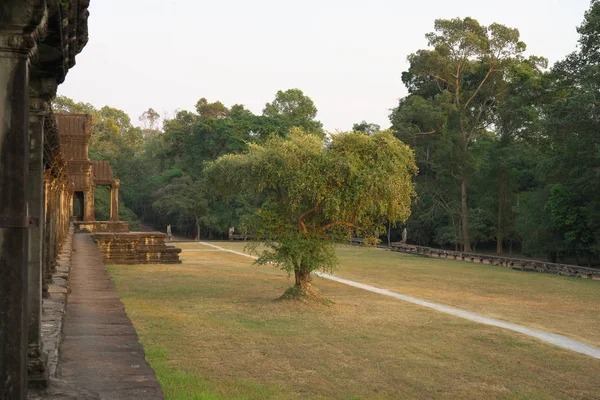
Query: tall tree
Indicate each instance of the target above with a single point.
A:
(366, 127)
(572, 143)
(455, 88)
(184, 200)
(293, 109)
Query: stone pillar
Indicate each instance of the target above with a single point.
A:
(14, 222)
(88, 204)
(40, 90)
(114, 200)
(46, 233)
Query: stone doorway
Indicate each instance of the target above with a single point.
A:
(78, 202)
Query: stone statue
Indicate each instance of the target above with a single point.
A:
(404, 233)
(231, 230)
(169, 232)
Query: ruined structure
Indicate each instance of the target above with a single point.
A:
(38, 43)
(75, 133)
(116, 244)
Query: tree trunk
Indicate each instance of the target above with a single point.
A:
(465, 217)
(197, 238)
(301, 277)
(389, 234)
(500, 231)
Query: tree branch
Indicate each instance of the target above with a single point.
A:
(480, 85)
(338, 223)
(304, 214)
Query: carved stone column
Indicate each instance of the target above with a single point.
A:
(14, 222)
(88, 204)
(114, 200)
(41, 90)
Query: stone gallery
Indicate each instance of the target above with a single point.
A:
(46, 181)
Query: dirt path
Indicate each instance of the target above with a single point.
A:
(552, 338)
(100, 351)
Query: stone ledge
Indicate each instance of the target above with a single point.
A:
(102, 226)
(54, 306)
(514, 263)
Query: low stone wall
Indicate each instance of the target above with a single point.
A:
(514, 263)
(102, 226)
(135, 248)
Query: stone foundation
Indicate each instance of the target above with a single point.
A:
(135, 248)
(514, 263)
(102, 226)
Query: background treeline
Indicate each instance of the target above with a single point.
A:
(508, 148)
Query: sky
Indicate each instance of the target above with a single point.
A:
(346, 55)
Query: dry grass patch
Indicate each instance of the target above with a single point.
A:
(212, 329)
(563, 305)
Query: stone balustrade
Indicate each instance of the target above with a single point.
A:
(514, 263)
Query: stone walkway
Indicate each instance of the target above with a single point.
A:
(100, 351)
(552, 338)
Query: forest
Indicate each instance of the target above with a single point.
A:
(507, 148)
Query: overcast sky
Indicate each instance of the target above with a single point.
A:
(347, 55)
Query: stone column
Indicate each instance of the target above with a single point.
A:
(114, 200)
(14, 222)
(40, 90)
(46, 233)
(88, 204)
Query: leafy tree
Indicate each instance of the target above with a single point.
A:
(572, 144)
(366, 127)
(455, 88)
(150, 119)
(315, 192)
(208, 110)
(183, 199)
(293, 109)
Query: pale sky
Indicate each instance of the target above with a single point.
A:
(347, 55)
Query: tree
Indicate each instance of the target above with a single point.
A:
(150, 119)
(454, 91)
(366, 127)
(572, 144)
(315, 192)
(293, 109)
(208, 110)
(184, 199)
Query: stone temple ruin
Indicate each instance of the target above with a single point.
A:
(116, 244)
(44, 171)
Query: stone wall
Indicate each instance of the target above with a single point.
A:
(136, 248)
(514, 263)
(39, 40)
(102, 227)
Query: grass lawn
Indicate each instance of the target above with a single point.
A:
(568, 306)
(212, 330)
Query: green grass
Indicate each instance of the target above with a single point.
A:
(213, 329)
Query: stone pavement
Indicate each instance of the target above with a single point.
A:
(100, 351)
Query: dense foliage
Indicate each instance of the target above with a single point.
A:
(313, 192)
(508, 150)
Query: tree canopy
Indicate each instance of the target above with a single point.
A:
(315, 191)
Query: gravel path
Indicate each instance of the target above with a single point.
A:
(552, 338)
